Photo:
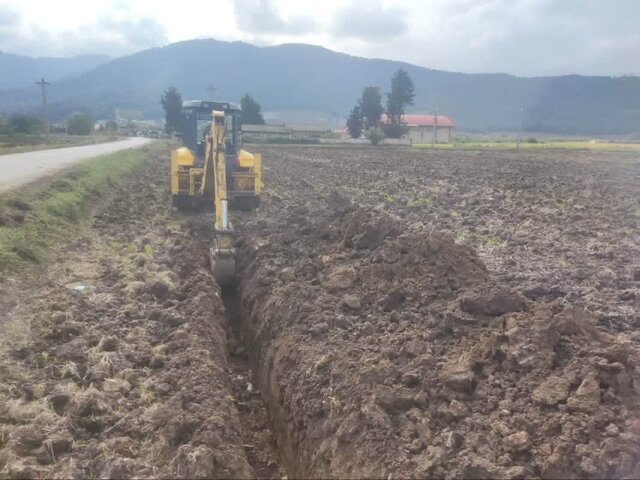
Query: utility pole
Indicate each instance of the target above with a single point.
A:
(520, 127)
(212, 89)
(43, 86)
(434, 137)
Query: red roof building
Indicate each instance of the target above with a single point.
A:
(422, 128)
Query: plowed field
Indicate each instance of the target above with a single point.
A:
(399, 313)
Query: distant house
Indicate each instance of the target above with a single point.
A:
(300, 130)
(291, 131)
(422, 128)
(264, 131)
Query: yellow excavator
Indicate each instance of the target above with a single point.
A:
(212, 168)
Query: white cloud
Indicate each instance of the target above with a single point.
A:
(528, 37)
(112, 30)
(369, 20)
(260, 17)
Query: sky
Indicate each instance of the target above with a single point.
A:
(521, 37)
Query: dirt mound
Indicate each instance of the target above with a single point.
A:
(124, 370)
(388, 351)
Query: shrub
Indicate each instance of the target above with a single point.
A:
(375, 135)
(394, 130)
(79, 124)
(25, 124)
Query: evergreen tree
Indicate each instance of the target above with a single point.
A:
(251, 113)
(79, 124)
(354, 122)
(171, 101)
(400, 96)
(370, 104)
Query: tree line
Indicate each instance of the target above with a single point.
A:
(171, 101)
(78, 123)
(365, 117)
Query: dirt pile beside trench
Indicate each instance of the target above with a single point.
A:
(386, 351)
(127, 377)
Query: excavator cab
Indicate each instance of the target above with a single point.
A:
(212, 168)
(196, 124)
(244, 169)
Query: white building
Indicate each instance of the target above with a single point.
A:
(422, 128)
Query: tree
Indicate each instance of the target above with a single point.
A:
(111, 126)
(25, 124)
(354, 122)
(79, 124)
(370, 104)
(4, 126)
(367, 112)
(394, 130)
(171, 101)
(400, 96)
(375, 135)
(251, 114)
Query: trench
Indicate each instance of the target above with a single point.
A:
(259, 439)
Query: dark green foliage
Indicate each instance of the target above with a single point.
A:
(25, 124)
(375, 135)
(367, 112)
(400, 96)
(354, 122)
(4, 126)
(370, 104)
(251, 114)
(79, 124)
(394, 130)
(171, 102)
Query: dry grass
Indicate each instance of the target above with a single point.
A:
(36, 219)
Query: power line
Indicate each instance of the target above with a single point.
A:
(212, 89)
(43, 86)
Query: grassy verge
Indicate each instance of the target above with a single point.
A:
(29, 143)
(541, 145)
(37, 218)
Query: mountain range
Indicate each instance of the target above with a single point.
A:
(305, 78)
(18, 71)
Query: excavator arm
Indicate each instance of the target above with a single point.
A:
(197, 179)
(222, 253)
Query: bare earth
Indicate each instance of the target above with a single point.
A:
(400, 314)
(448, 314)
(20, 168)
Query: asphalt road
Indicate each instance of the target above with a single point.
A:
(20, 168)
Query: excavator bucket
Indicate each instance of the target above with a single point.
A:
(223, 266)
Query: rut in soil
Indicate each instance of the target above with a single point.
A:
(259, 440)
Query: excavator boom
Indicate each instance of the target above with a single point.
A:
(212, 166)
(222, 254)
